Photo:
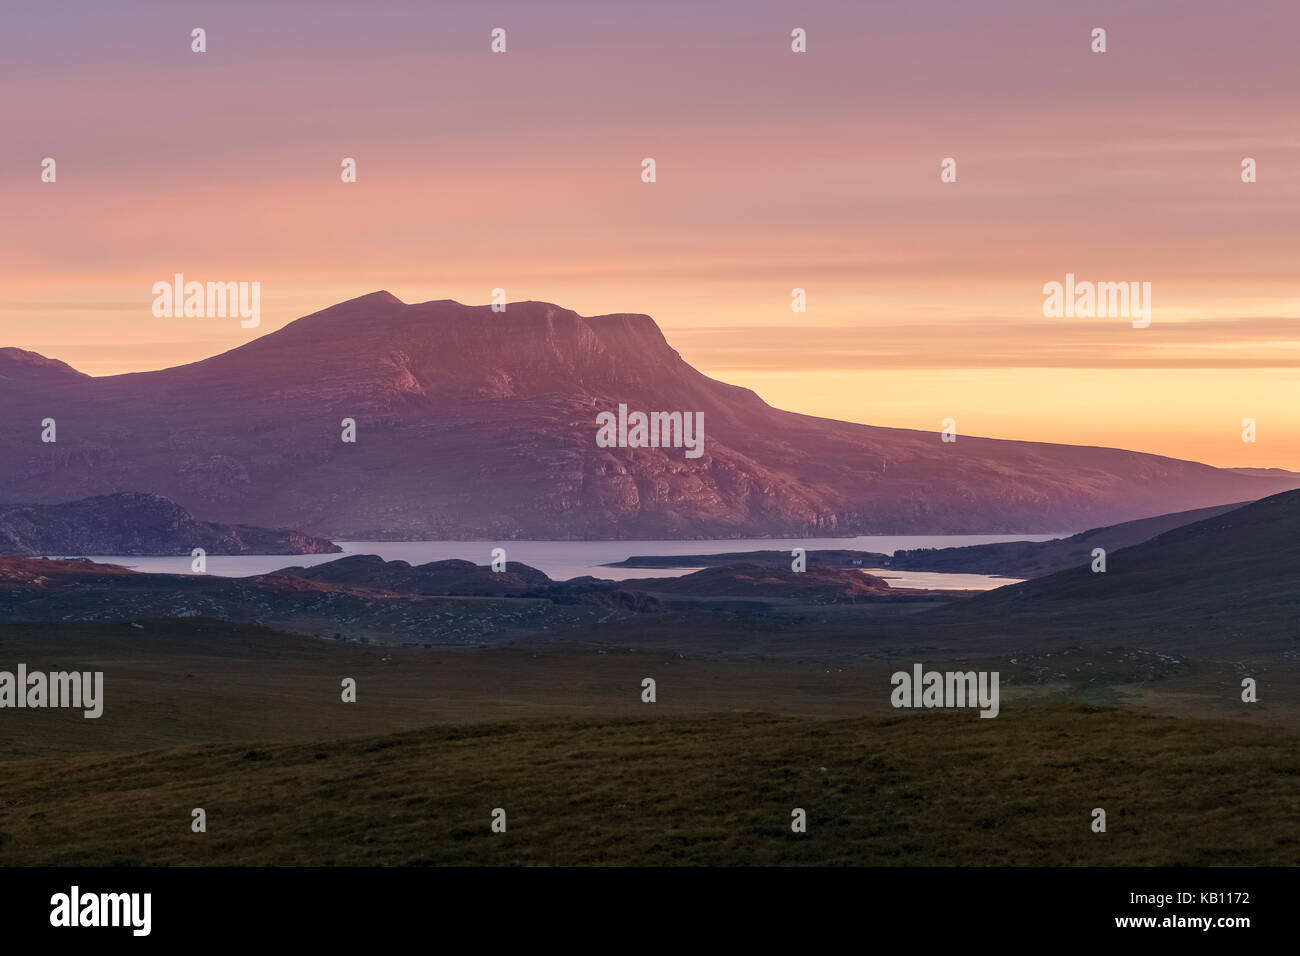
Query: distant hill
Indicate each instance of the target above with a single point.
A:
(139, 524)
(1033, 559)
(817, 585)
(1264, 472)
(436, 577)
(821, 558)
(362, 600)
(474, 424)
(465, 578)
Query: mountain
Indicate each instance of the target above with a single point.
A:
(477, 424)
(134, 523)
(1230, 582)
(1033, 559)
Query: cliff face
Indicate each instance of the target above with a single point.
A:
(131, 523)
(475, 424)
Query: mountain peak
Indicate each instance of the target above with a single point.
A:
(375, 349)
(382, 300)
(383, 296)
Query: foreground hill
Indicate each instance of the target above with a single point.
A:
(475, 424)
(1230, 582)
(131, 523)
(1033, 559)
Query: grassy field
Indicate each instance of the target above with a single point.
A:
(930, 788)
(172, 683)
(248, 725)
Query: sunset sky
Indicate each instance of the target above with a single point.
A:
(775, 170)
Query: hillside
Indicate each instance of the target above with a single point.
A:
(1231, 582)
(1033, 559)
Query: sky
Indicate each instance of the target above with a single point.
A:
(775, 170)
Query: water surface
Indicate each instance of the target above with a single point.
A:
(562, 560)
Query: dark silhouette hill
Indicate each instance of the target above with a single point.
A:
(821, 558)
(1229, 583)
(817, 585)
(436, 577)
(1033, 559)
(362, 600)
